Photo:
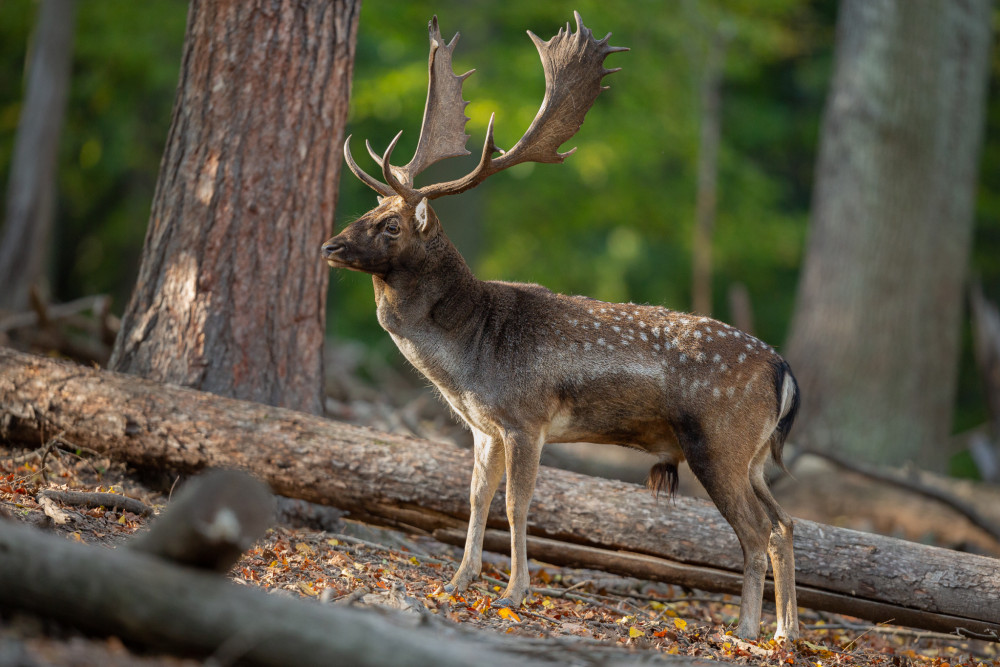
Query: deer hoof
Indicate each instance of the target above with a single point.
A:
(504, 602)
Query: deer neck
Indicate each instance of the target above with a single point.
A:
(434, 298)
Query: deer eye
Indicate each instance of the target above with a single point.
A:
(392, 227)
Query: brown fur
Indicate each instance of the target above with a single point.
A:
(522, 366)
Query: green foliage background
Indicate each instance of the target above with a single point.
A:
(614, 221)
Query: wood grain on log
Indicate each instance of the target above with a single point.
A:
(405, 481)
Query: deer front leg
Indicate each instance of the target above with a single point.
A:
(486, 473)
(521, 452)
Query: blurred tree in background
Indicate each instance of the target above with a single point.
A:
(615, 221)
(28, 213)
(875, 340)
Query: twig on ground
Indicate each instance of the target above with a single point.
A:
(94, 499)
(353, 596)
(422, 555)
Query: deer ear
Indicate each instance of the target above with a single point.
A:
(380, 199)
(423, 216)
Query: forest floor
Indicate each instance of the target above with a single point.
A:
(349, 563)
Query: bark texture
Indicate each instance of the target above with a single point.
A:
(407, 482)
(875, 339)
(231, 291)
(31, 190)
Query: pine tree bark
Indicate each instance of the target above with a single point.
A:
(231, 291)
(875, 338)
(31, 191)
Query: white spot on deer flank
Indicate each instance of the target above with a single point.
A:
(600, 341)
(697, 334)
(643, 336)
(683, 358)
(597, 325)
(717, 358)
(586, 345)
(716, 393)
(616, 328)
(656, 331)
(611, 347)
(642, 325)
(723, 368)
(684, 320)
(742, 357)
(656, 346)
(730, 392)
(749, 346)
(722, 334)
(701, 356)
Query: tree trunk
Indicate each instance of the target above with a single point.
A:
(31, 190)
(403, 481)
(231, 291)
(708, 173)
(875, 338)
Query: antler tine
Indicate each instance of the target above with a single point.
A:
(389, 173)
(574, 66)
(371, 182)
(442, 132)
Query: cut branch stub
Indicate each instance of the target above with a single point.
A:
(574, 67)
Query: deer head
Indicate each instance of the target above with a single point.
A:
(399, 228)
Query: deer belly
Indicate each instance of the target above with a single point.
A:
(612, 424)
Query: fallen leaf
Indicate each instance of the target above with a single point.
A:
(507, 613)
(634, 632)
(680, 623)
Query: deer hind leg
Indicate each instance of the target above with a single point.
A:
(486, 473)
(779, 548)
(522, 451)
(724, 474)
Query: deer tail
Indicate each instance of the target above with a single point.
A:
(786, 391)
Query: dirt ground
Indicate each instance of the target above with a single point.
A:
(315, 555)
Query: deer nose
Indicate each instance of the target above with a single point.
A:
(331, 248)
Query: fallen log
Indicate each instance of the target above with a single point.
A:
(148, 601)
(408, 482)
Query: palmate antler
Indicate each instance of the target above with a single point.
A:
(574, 67)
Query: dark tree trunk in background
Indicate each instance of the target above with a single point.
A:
(231, 291)
(875, 339)
(31, 190)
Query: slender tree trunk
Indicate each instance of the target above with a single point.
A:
(875, 339)
(708, 173)
(231, 291)
(31, 190)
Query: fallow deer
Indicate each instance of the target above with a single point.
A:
(523, 366)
